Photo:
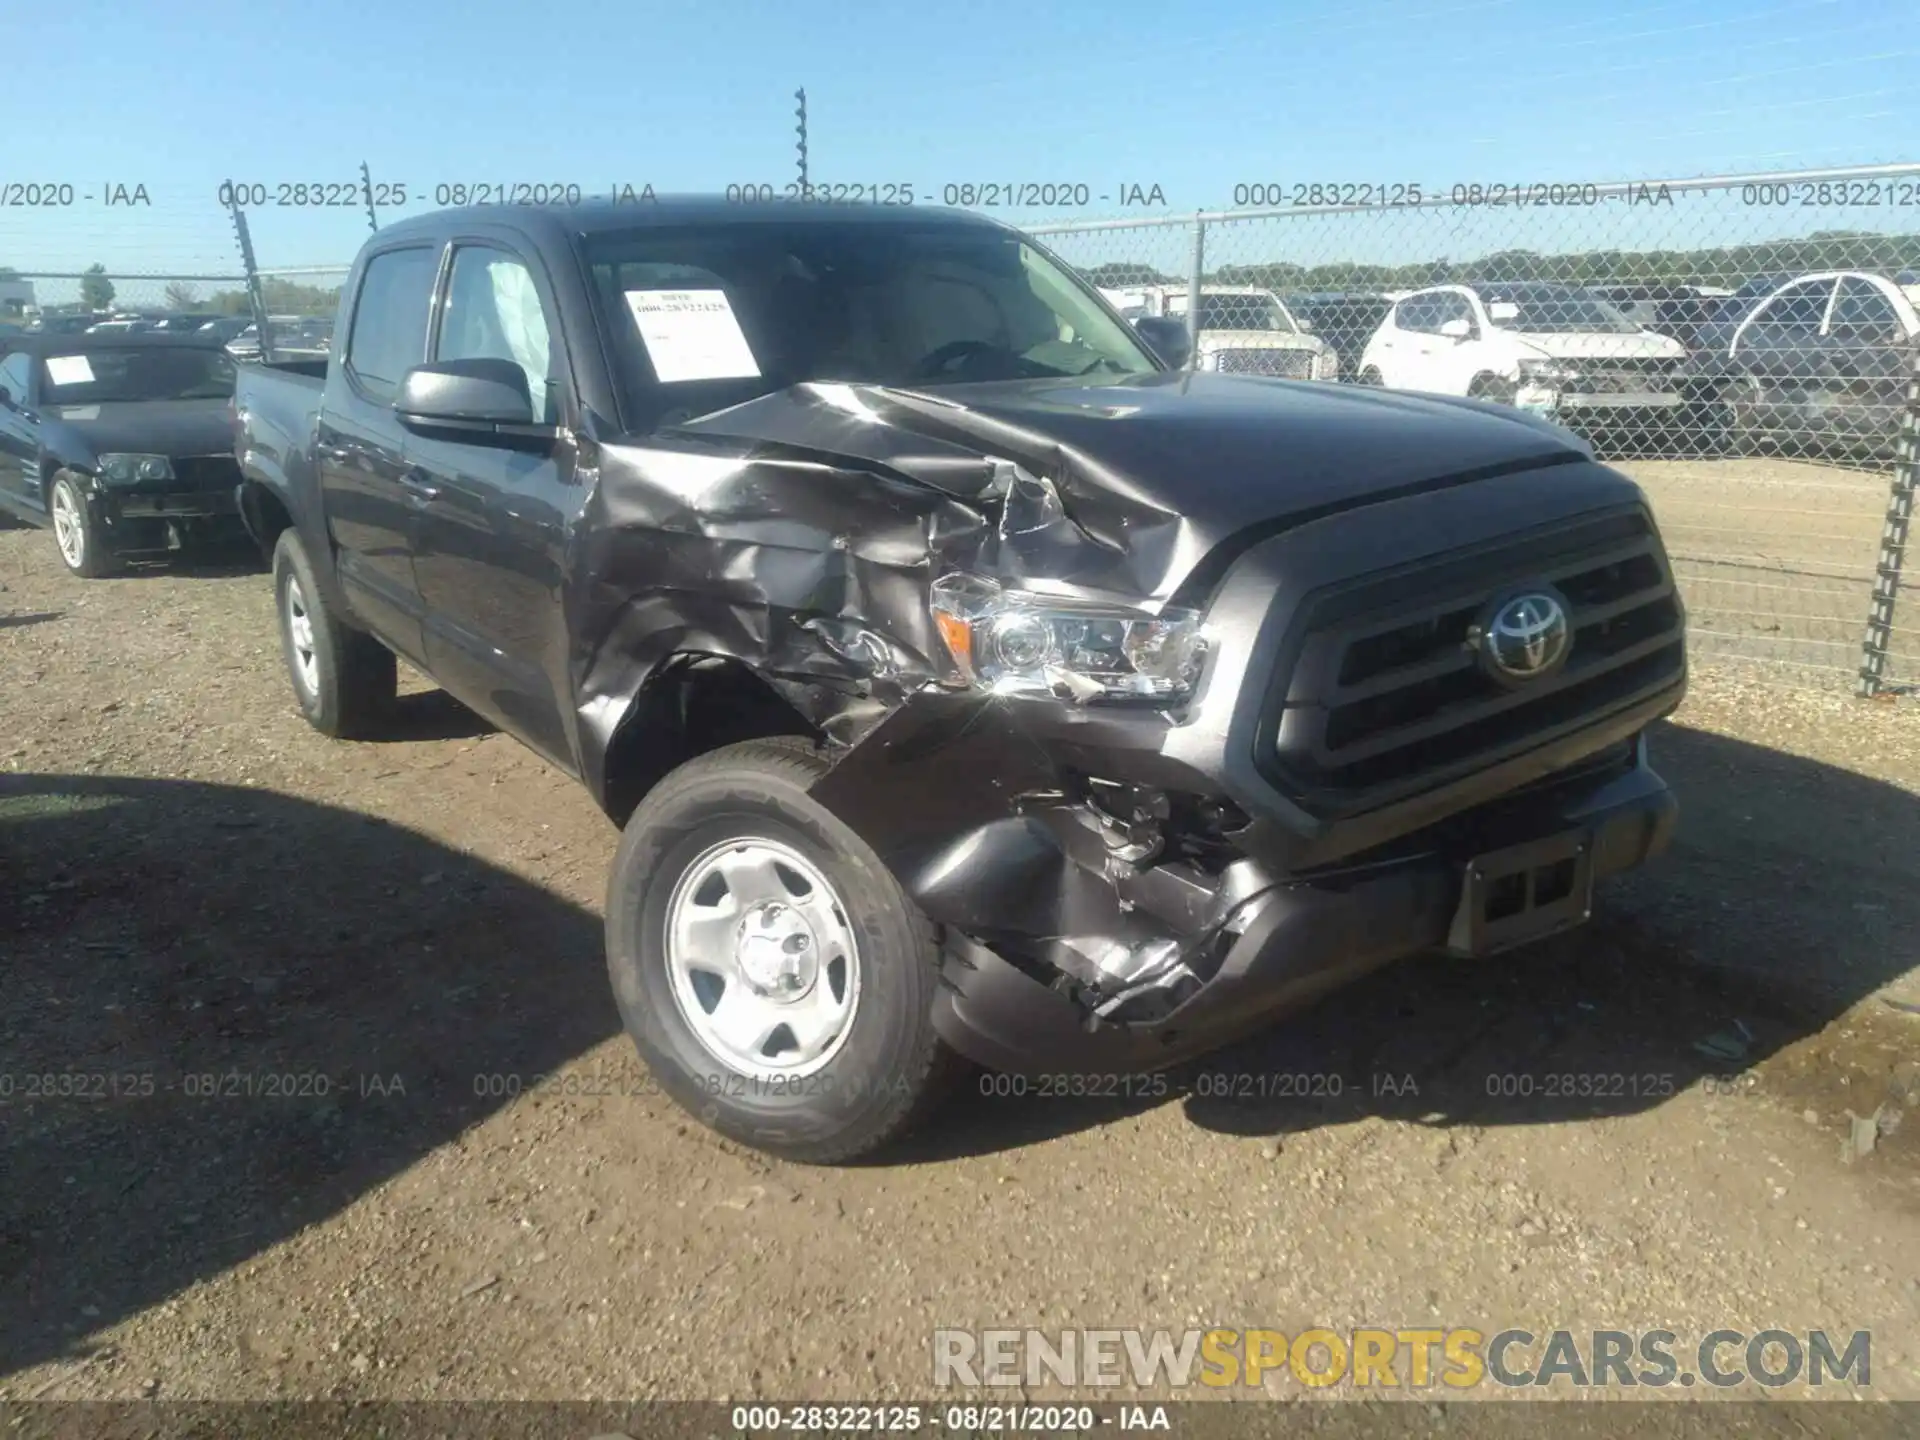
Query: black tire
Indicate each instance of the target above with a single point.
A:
(92, 556)
(890, 1070)
(347, 687)
(1739, 430)
(1492, 387)
(1371, 376)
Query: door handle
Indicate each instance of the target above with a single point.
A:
(420, 485)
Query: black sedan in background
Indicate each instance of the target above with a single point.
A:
(1344, 319)
(1819, 365)
(120, 444)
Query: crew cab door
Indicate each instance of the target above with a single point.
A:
(359, 447)
(1403, 350)
(1456, 359)
(19, 436)
(493, 520)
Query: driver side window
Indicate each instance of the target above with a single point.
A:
(1451, 306)
(1421, 314)
(493, 311)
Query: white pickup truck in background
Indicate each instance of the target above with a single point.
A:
(1243, 330)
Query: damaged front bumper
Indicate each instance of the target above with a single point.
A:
(1123, 888)
(1290, 941)
(1073, 944)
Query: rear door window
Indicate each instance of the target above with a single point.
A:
(389, 334)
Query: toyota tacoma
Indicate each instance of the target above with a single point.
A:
(969, 684)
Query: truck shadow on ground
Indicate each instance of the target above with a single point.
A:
(211, 991)
(1785, 901)
(432, 714)
(209, 995)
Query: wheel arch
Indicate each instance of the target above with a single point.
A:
(692, 703)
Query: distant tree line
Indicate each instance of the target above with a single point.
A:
(1723, 265)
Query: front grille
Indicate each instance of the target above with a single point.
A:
(1624, 377)
(1388, 698)
(1281, 364)
(206, 472)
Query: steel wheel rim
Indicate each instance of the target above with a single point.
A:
(306, 665)
(69, 531)
(762, 961)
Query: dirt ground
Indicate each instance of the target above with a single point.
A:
(1777, 558)
(313, 1085)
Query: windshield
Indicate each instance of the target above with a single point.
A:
(1554, 310)
(707, 317)
(113, 377)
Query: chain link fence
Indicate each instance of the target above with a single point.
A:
(1745, 347)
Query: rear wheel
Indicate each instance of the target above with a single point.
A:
(343, 679)
(76, 534)
(768, 967)
(1371, 376)
(1738, 428)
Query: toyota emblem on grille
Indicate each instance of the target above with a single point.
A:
(1525, 635)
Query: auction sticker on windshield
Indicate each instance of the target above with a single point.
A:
(69, 370)
(691, 335)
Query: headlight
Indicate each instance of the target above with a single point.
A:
(1014, 642)
(125, 469)
(1547, 372)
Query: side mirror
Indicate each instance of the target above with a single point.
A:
(1166, 337)
(1457, 329)
(483, 400)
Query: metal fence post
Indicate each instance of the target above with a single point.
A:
(1193, 290)
(253, 282)
(1893, 544)
(366, 190)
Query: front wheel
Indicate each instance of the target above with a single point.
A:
(77, 535)
(1492, 387)
(768, 967)
(1371, 376)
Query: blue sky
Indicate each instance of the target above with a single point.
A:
(1195, 98)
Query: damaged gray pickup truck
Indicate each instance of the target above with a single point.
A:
(970, 683)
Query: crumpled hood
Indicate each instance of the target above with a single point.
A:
(150, 427)
(1216, 453)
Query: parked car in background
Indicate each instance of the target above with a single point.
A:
(1678, 311)
(1551, 349)
(1346, 320)
(224, 327)
(1243, 330)
(128, 326)
(1715, 332)
(188, 324)
(1818, 365)
(63, 324)
(294, 337)
(120, 443)
(965, 681)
